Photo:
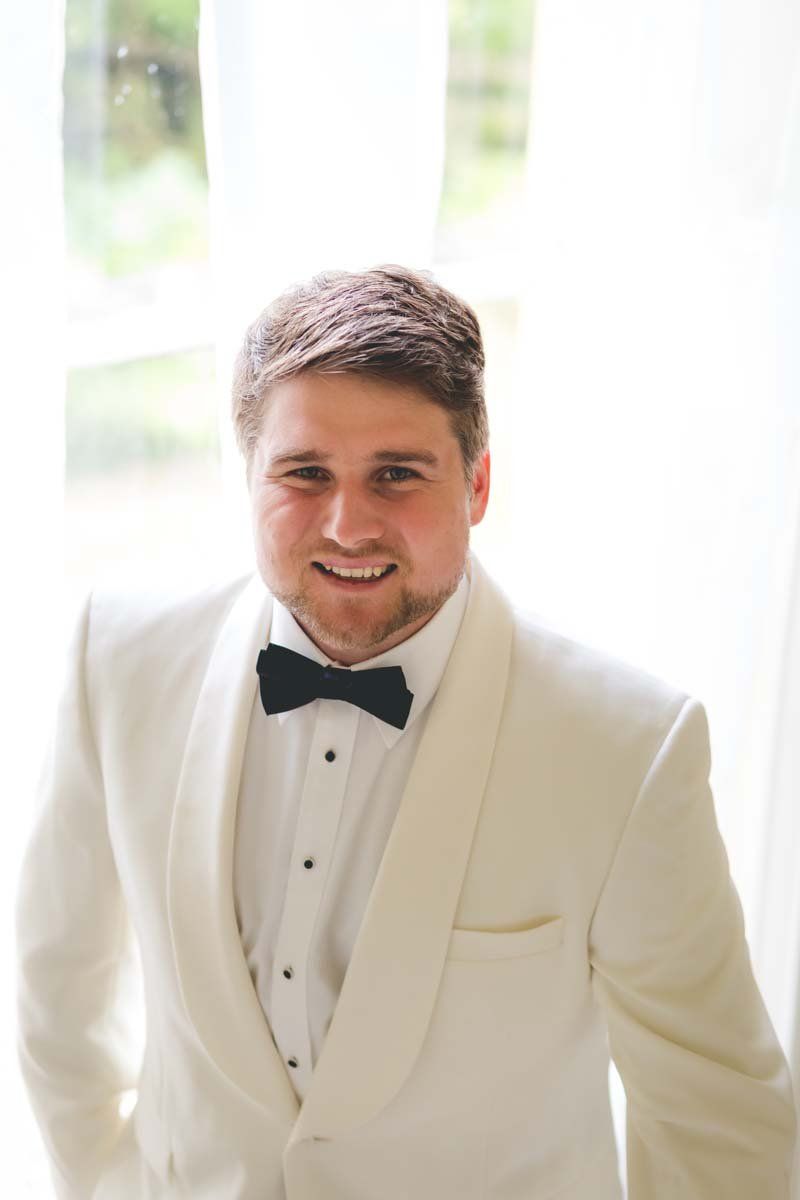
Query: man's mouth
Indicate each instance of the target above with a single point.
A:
(366, 574)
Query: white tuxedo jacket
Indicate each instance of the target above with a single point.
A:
(554, 885)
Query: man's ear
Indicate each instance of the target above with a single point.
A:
(479, 490)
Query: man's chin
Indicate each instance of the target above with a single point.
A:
(349, 629)
(351, 633)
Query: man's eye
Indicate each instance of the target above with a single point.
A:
(405, 473)
(390, 474)
(300, 470)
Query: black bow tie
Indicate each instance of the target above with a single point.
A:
(289, 680)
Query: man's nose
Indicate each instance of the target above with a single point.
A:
(351, 516)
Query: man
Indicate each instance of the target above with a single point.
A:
(400, 864)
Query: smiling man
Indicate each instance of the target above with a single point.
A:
(361, 513)
(398, 867)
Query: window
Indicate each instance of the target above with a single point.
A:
(141, 416)
(143, 486)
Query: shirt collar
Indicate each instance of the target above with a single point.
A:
(423, 656)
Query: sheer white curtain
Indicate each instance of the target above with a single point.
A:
(658, 408)
(325, 142)
(31, 470)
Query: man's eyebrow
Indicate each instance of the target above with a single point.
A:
(394, 456)
(296, 455)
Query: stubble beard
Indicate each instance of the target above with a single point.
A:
(360, 634)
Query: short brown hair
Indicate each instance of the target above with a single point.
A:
(389, 322)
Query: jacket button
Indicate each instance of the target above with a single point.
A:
(292, 1062)
(329, 755)
(308, 863)
(288, 972)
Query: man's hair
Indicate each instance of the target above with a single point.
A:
(389, 323)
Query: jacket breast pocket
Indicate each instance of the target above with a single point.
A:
(480, 945)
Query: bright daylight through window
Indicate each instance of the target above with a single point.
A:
(143, 412)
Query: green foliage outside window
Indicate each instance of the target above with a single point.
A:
(150, 409)
(134, 159)
(487, 108)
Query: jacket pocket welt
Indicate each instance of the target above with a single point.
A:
(480, 945)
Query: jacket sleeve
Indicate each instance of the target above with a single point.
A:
(77, 1010)
(709, 1098)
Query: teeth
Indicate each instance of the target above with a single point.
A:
(356, 572)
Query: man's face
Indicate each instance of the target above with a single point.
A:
(352, 472)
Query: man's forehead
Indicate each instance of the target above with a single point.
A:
(320, 418)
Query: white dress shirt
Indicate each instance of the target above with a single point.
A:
(321, 785)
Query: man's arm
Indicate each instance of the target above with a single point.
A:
(710, 1109)
(75, 952)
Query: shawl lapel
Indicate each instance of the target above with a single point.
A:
(389, 990)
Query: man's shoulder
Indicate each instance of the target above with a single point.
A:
(580, 680)
(153, 605)
(551, 665)
(136, 622)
